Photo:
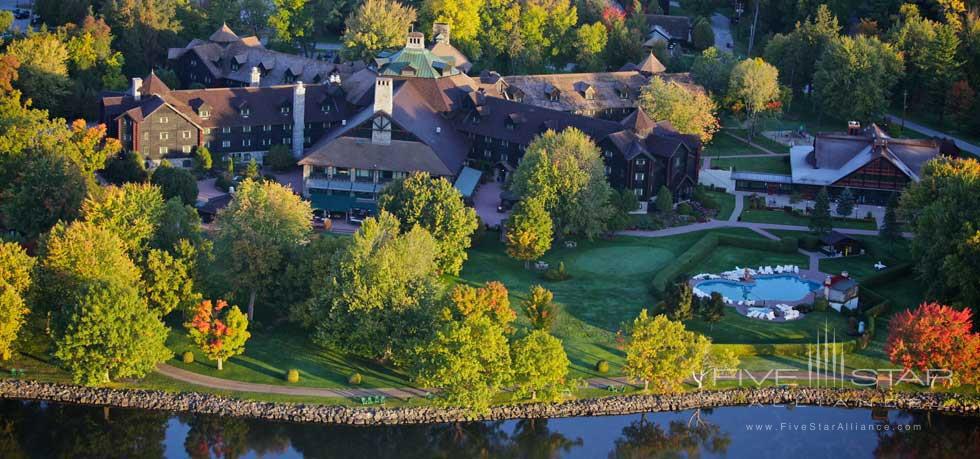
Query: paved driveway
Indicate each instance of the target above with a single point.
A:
(723, 32)
(486, 200)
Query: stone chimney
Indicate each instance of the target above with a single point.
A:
(381, 127)
(440, 32)
(134, 89)
(299, 119)
(853, 128)
(415, 41)
(255, 77)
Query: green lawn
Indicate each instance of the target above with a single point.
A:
(778, 217)
(725, 145)
(766, 164)
(761, 140)
(857, 266)
(725, 201)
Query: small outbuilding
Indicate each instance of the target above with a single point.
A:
(841, 291)
(840, 243)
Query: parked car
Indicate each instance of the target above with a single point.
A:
(21, 14)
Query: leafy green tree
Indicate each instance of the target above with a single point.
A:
(529, 230)
(279, 158)
(754, 89)
(132, 212)
(625, 44)
(292, 22)
(384, 292)
(15, 280)
(623, 202)
(436, 205)
(46, 188)
(855, 76)
(89, 148)
(679, 300)
(499, 35)
(702, 8)
(308, 272)
(663, 352)
(703, 36)
(665, 200)
(540, 366)
(128, 167)
(376, 25)
(6, 19)
(175, 182)
(891, 230)
(713, 309)
(712, 69)
(942, 211)
(145, 29)
(845, 203)
(590, 45)
(820, 220)
(566, 171)
(169, 280)
(202, 159)
(178, 221)
(468, 361)
(688, 111)
(221, 335)
(796, 53)
(943, 68)
(713, 363)
(540, 309)
(107, 333)
(913, 36)
(93, 65)
(462, 15)
(263, 223)
(43, 69)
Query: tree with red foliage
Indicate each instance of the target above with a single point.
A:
(612, 14)
(960, 102)
(220, 335)
(935, 336)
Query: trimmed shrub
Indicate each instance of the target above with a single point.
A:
(821, 304)
(789, 244)
(887, 275)
(292, 375)
(557, 274)
(187, 357)
(685, 208)
(602, 367)
(279, 158)
(355, 379)
(786, 349)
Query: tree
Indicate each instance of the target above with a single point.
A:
(263, 223)
(540, 366)
(688, 111)
(468, 361)
(712, 69)
(105, 332)
(383, 297)
(590, 43)
(754, 90)
(934, 336)
(625, 44)
(436, 205)
(820, 220)
(679, 300)
(713, 362)
(490, 301)
(713, 309)
(146, 28)
(176, 183)
(796, 53)
(845, 203)
(540, 308)
(529, 230)
(292, 22)
(132, 212)
(127, 167)
(202, 159)
(663, 352)
(220, 335)
(462, 15)
(375, 26)
(665, 200)
(702, 8)
(623, 203)
(279, 158)
(89, 148)
(6, 19)
(252, 170)
(46, 188)
(43, 68)
(567, 172)
(15, 280)
(93, 65)
(959, 103)
(703, 36)
(855, 76)
(178, 222)
(942, 211)
(499, 35)
(890, 229)
(169, 280)
(943, 67)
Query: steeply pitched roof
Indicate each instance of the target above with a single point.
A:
(651, 65)
(153, 85)
(639, 122)
(678, 27)
(417, 63)
(360, 153)
(224, 34)
(449, 52)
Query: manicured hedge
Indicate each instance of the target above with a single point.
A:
(787, 349)
(785, 245)
(887, 275)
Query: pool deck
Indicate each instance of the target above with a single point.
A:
(743, 309)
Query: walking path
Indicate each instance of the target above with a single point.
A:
(715, 224)
(410, 392)
(723, 32)
(753, 144)
(964, 145)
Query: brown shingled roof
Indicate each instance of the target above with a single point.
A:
(224, 34)
(651, 65)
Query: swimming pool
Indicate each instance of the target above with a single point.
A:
(786, 288)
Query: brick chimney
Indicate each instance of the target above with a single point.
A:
(381, 127)
(440, 32)
(299, 119)
(134, 89)
(255, 77)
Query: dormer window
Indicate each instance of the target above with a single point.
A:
(234, 66)
(325, 107)
(205, 113)
(245, 111)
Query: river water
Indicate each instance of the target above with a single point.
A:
(43, 430)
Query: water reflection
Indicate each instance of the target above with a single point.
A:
(40, 430)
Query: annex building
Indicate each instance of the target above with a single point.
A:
(414, 109)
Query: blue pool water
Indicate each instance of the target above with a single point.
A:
(788, 288)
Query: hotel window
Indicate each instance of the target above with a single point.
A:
(641, 162)
(400, 174)
(284, 109)
(503, 156)
(245, 112)
(487, 154)
(186, 148)
(234, 66)
(164, 120)
(185, 134)
(164, 150)
(325, 108)
(164, 135)
(207, 131)
(608, 154)
(246, 128)
(608, 170)
(246, 142)
(639, 176)
(307, 140)
(225, 143)
(207, 144)
(193, 63)
(267, 127)
(266, 142)
(364, 174)
(287, 141)
(226, 129)
(504, 143)
(638, 191)
(342, 173)
(287, 127)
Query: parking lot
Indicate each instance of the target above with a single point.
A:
(20, 25)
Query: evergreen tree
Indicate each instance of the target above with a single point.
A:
(703, 36)
(943, 68)
(665, 200)
(202, 159)
(713, 308)
(820, 220)
(890, 230)
(679, 300)
(252, 170)
(845, 203)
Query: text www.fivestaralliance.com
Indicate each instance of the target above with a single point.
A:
(838, 427)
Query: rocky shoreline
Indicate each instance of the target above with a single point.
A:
(616, 405)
